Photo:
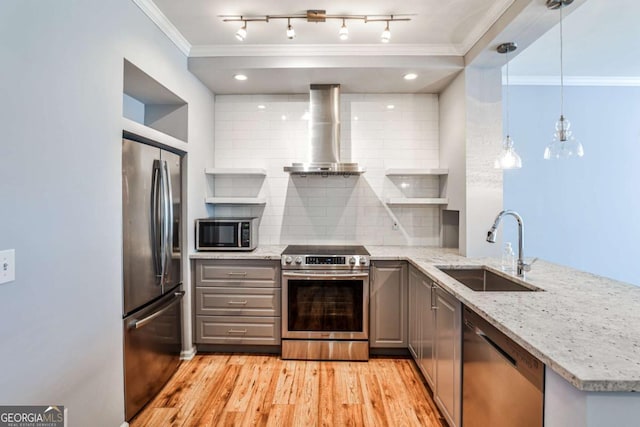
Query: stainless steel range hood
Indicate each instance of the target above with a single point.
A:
(324, 135)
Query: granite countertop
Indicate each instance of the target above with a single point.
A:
(583, 326)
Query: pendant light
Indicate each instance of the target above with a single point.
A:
(508, 158)
(564, 144)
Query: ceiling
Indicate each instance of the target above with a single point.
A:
(599, 41)
(432, 44)
(453, 23)
(441, 38)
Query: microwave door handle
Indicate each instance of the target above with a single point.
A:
(155, 219)
(239, 241)
(168, 218)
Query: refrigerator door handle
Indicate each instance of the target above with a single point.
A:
(156, 186)
(137, 324)
(168, 220)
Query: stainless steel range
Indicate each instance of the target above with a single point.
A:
(325, 303)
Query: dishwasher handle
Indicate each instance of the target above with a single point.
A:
(493, 344)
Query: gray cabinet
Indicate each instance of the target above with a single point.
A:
(237, 302)
(435, 341)
(421, 324)
(448, 355)
(388, 305)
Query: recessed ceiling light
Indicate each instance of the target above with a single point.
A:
(410, 76)
(241, 77)
(390, 107)
(284, 117)
(261, 107)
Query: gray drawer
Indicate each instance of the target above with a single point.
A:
(238, 273)
(237, 330)
(238, 301)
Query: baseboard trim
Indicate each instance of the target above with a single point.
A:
(188, 354)
(124, 424)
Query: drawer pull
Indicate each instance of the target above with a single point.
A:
(237, 302)
(237, 273)
(237, 331)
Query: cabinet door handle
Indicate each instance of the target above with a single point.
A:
(237, 302)
(434, 288)
(237, 273)
(237, 331)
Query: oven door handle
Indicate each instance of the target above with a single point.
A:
(323, 276)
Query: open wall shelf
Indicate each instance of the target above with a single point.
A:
(236, 172)
(416, 172)
(417, 201)
(236, 200)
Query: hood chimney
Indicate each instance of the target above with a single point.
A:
(324, 135)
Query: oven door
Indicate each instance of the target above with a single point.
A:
(325, 305)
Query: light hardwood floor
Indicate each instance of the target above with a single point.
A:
(263, 390)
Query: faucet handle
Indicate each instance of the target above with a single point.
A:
(527, 267)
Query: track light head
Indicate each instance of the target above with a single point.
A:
(344, 31)
(385, 37)
(291, 33)
(241, 34)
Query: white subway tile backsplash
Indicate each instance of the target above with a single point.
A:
(336, 210)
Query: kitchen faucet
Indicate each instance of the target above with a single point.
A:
(491, 238)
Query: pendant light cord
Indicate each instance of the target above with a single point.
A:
(561, 66)
(507, 97)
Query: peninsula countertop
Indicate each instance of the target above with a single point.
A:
(582, 326)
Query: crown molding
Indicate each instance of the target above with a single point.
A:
(150, 9)
(200, 51)
(572, 81)
(497, 9)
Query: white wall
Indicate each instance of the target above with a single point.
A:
(60, 186)
(470, 122)
(453, 150)
(332, 209)
(579, 212)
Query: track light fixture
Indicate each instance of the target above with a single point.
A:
(316, 16)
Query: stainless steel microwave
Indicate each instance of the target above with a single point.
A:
(226, 234)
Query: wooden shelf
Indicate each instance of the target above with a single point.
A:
(235, 171)
(416, 172)
(417, 201)
(236, 200)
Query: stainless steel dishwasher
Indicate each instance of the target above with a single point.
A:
(502, 383)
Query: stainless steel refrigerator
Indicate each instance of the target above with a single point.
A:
(151, 270)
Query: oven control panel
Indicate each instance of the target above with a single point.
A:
(354, 261)
(333, 260)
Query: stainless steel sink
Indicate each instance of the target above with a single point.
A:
(482, 279)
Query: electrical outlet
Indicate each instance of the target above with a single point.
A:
(395, 226)
(7, 266)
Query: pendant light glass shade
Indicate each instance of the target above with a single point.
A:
(564, 144)
(507, 158)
